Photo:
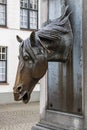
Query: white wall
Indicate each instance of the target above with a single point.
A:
(8, 39)
(13, 13)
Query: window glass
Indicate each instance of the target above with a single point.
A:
(24, 18)
(28, 14)
(33, 19)
(3, 1)
(24, 3)
(2, 12)
(3, 62)
(33, 4)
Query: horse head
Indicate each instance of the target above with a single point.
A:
(31, 69)
(51, 43)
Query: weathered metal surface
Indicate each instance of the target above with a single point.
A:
(60, 97)
(77, 52)
(65, 79)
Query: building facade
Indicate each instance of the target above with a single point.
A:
(17, 17)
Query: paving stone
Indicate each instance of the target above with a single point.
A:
(19, 116)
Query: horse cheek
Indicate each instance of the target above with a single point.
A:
(39, 68)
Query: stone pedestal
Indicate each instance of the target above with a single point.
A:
(63, 98)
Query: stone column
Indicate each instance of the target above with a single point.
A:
(76, 117)
(84, 39)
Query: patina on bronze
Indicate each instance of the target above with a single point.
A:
(51, 43)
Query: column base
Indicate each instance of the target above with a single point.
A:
(45, 127)
(39, 128)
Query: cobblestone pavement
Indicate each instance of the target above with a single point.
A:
(19, 116)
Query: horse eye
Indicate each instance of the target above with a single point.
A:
(26, 57)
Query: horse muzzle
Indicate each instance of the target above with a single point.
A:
(20, 94)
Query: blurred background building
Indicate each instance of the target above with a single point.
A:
(17, 17)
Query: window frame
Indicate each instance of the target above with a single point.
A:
(5, 81)
(29, 9)
(5, 4)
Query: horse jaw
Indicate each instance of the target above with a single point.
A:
(26, 98)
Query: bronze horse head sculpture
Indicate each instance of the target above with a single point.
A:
(51, 43)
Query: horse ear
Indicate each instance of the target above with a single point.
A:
(32, 38)
(19, 39)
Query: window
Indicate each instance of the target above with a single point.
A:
(29, 14)
(2, 12)
(3, 64)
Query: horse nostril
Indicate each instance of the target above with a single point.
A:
(19, 88)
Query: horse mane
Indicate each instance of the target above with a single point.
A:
(52, 30)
